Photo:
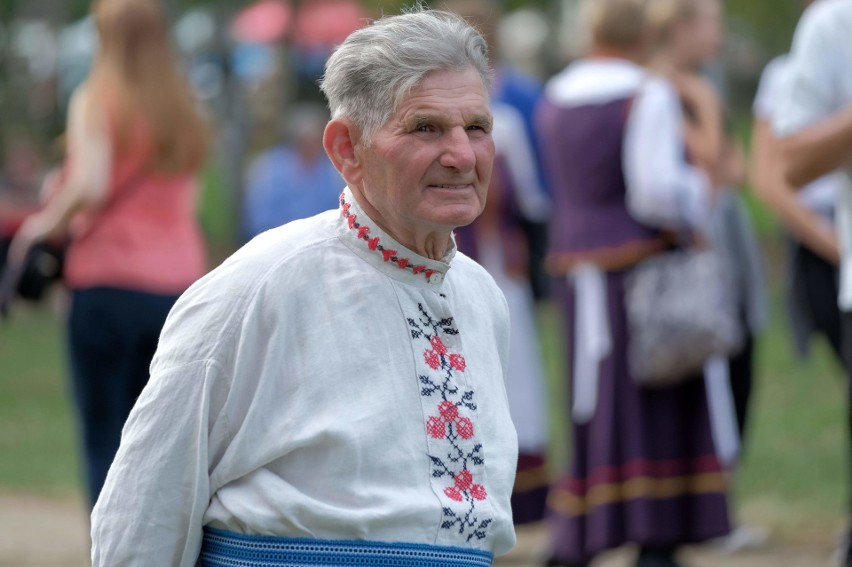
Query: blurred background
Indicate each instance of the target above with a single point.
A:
(249, 64)
(248, 61)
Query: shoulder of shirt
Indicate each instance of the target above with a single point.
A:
(772, 69)
(598, 82)
(827, 8)
(296, 234)
(478, 290)
(823, 15)
(217, 303)
(464, 263)
(467, 269)
(270, 254)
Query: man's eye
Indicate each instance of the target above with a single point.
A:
(424, 128)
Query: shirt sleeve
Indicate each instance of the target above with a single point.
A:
(157, 490)
(662, 188)
(805, 93)
(767, 89)
(151, 509)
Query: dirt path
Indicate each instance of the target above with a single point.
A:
(38, 531)
(41, 531)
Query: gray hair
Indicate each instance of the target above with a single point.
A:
(370, 73)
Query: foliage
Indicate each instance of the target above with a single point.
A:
(769, 23)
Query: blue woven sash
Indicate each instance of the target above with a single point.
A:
(227, 549)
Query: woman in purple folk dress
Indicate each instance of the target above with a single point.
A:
(644, 469)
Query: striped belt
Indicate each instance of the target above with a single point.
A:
(227, 549)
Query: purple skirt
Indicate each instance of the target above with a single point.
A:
(644, 469)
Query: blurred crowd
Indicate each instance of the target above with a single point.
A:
(620, 150)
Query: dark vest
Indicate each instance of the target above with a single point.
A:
(582, 154)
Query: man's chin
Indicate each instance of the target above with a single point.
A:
(456, 217)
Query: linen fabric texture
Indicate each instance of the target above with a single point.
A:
(324, 383)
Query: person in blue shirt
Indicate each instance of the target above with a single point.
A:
(293, 180)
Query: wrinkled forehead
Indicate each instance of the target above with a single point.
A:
(458, 92)
(446, 83)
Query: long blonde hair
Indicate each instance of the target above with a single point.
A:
(138, 72)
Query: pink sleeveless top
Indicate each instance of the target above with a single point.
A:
(144, 236)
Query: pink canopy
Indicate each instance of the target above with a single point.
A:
(327, 22)
(264, 21)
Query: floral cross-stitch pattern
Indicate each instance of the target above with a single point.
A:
(450, 427)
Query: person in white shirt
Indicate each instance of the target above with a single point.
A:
(814, 127)
(807, 215)
(333, 394)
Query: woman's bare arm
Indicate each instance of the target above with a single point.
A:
(86, 182)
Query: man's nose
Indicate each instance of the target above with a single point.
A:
(458, 150)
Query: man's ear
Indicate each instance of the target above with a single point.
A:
(339, 141)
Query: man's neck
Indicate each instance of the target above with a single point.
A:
(432, 244)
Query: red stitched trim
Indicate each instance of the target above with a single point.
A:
(388, 254)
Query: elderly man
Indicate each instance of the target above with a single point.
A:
(333, 393)
(814, 124)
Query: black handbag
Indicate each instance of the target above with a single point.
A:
(42, 267)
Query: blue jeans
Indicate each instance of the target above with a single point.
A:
(112, 336)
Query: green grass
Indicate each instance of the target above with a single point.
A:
(38, 450)
(795, 473)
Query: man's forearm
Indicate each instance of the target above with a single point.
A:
(818, 149)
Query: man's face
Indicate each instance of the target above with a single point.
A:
(427, 169)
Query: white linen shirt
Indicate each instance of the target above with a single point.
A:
(818, 83)
(821, 194)
(324, 382)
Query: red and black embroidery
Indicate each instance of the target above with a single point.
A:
(389, 255)
(450, 429)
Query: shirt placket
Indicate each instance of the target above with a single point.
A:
(456, 453)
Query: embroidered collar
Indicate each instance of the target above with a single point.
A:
(380, 249)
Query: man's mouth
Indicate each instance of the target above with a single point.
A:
(446, 186)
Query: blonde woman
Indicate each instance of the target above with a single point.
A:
(126, 199)
(644, 469)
